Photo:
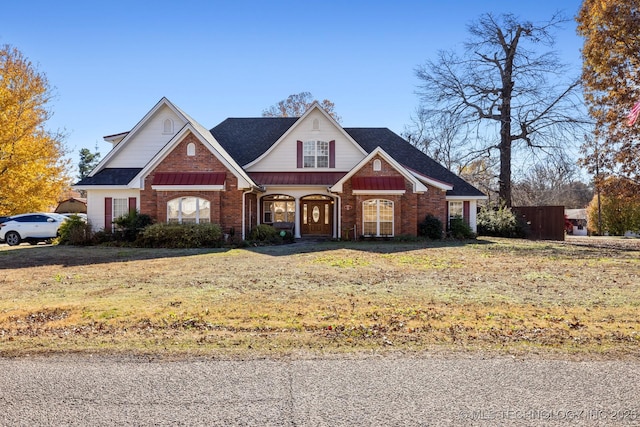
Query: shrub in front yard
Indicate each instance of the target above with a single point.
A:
(181, 236)
(430, 227)
(263, 233)
(458, 229)
(499, 222)
(130, 226)
(74, 231)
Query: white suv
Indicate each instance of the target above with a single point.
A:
(31, 227)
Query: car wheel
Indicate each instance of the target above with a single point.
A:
(12, 238)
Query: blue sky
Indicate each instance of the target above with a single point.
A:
(110, 62)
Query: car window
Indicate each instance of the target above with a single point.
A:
(25, 218)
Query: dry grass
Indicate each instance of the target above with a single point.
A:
(491, 295)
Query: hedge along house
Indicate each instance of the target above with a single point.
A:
(324, 179)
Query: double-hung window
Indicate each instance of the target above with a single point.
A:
(316, 154)
(120, 207)
(456, 210)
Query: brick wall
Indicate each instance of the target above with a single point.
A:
(226, 206)
(409, 208)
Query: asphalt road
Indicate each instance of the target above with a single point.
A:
(346, 391)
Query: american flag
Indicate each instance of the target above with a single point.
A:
(633, 115)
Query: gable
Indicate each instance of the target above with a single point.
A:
(148, 140)
(315, 125)
(387, 178)
(412, 159)
(190, 151)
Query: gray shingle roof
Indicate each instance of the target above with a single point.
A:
(245, 139)
(111, 176)
(408, 155)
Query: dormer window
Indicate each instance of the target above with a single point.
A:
(316, 154)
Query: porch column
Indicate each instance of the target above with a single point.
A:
(297, 222)
(258, 210)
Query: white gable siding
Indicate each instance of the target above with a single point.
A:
(95, 204)
(283, 157)
(147, 141)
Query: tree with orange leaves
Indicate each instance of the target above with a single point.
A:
(611, 82)
(33, 171)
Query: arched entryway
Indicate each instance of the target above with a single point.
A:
(316, 215)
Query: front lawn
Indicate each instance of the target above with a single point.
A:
(492, 294)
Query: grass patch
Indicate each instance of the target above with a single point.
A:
(498, 294)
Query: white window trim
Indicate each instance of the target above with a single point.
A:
(393, 217)
(315, 154)
(286, 212)
(121, 212)
(461, 215)
(457, 202)
(180, 199)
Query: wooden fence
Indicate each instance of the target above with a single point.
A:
(543, 222)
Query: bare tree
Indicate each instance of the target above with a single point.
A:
(443, 136)
(552, 181)
(514, 96)
(295, 106)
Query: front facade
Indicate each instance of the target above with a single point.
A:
(309, 173)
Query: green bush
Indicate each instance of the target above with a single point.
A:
(499, 222)
(103, 237)
(263, 233)
(459, 229)
(74, 231)
(430, 227)
(181, 236)
(130, 226)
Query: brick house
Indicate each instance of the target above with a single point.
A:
(309, 172)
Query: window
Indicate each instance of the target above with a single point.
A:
(278, 208)
(120, 207)
(167, 126)
(316, 154)
(191, 149)
(455, 210)
(377, 165)
(377, 217)
(189, 210)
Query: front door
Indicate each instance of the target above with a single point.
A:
(316, 217)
